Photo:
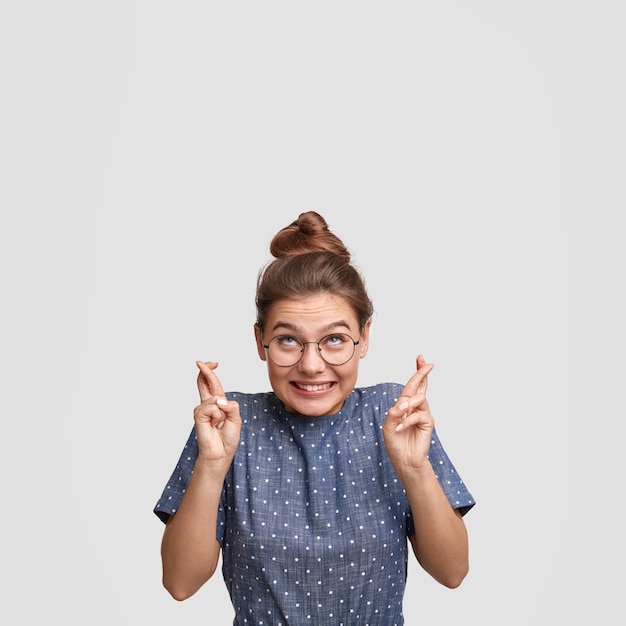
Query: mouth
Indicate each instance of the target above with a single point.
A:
(311, 388)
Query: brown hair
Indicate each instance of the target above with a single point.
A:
(310, 260)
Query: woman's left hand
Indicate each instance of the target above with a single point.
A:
(408, 427)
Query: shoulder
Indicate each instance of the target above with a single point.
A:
(255, 402)
(386, 393)
(375, 399)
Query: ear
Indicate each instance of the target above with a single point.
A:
(364, 342)
(259, 343)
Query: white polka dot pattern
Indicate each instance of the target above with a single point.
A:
(313, 520)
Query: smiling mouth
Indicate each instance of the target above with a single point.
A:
(313, 387)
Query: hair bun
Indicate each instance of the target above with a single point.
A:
(310, 223)
(309, 233)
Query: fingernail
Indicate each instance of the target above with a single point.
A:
(404, 405)
(404, 416)
(220, 425)
(399, 427)
(222, 402)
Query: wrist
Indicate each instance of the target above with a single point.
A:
(416, 473)
(212, 469)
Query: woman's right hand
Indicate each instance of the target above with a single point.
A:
(217, 420)
(189, 552)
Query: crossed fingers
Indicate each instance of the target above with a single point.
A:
(413, 396)
(211, 394)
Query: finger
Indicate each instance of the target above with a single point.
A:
(407, 405)
(219, 412)
(413, 395)
(415, 418)
(208, 382)
(209, 411)
(225, 408)
(203, 383)
(218, 416)
(419, 381)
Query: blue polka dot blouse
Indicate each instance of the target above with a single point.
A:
(313, 520)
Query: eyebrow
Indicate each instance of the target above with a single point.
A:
(299, 330)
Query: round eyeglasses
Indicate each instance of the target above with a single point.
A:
(287, 350)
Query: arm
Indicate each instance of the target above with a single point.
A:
(189, 550)
(440, 541)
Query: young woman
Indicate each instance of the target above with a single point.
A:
(310, 492)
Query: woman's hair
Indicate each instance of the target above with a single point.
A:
(310, 260)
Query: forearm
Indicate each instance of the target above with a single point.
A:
(189, 549)
(440, 541)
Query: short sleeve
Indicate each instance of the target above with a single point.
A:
(457, 493)
(176, 486)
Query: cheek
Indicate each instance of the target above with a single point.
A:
(275, 373)
(349, 375)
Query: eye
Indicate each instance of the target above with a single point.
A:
(287, 341)
(335, 341)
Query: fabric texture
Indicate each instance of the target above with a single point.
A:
(313, 520)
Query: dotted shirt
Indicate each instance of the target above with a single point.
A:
(313, 520)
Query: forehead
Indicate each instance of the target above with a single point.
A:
(312, 313)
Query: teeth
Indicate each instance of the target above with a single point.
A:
(314, 387)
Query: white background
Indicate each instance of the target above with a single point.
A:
(470, 154)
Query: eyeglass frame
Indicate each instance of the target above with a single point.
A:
(319, 348)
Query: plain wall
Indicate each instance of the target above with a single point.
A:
(469, 154)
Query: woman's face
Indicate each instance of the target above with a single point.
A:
(312, 387)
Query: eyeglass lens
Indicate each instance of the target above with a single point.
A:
(335, 349)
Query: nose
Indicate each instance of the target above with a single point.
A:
(311, 360)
